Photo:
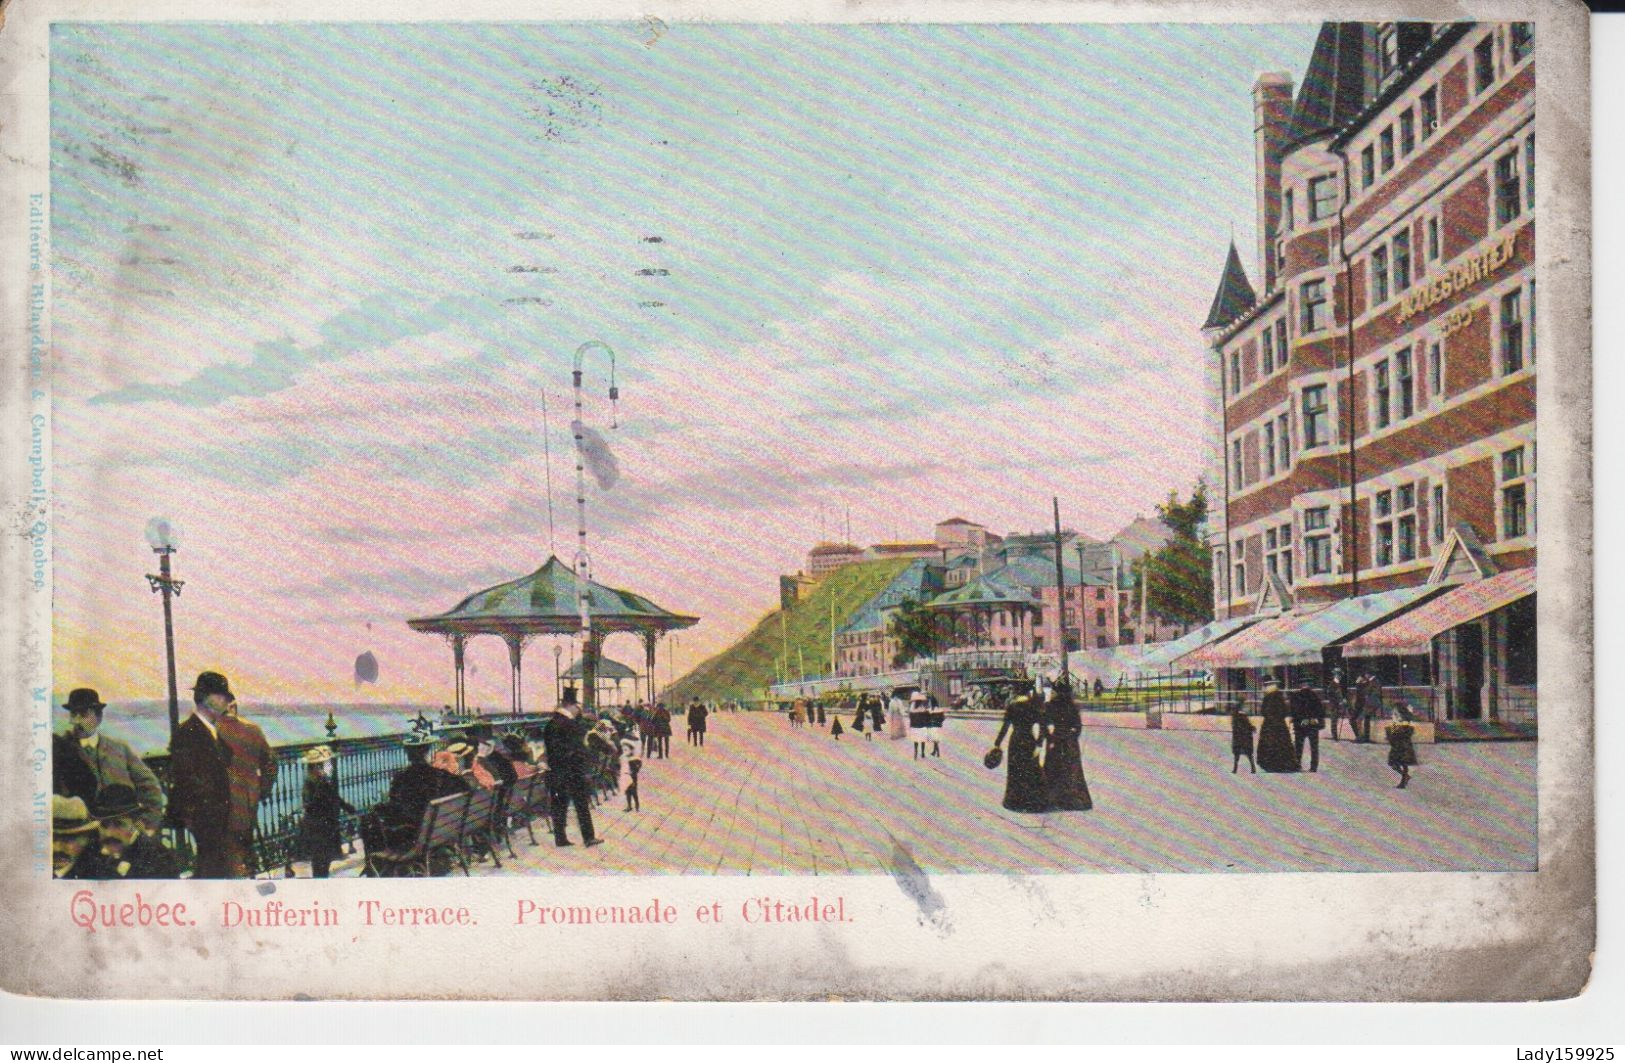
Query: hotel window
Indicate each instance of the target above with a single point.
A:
(1322, 197)
(1280, 344)
(1523, 41)
(1238, 554)
(1100, 618)
(1435, 373)
(1404, 384)
(1436, 514)
(1405, 522)
(1235, 463)
(1313, 303)
(1379, 276)
(1368, 166)
(1407, 133)
(1508, 190)
(1283, 438)
(1287, 220)
(1381, 392)
(1383, 514)
(1484, 63)
(1430, 112)
(1385, 141)
(1433, 240)
(1235, 372)
(1316, 418)
(1317, 542)
(1278, 552)
(1514, 495)
(1511, 332)
(1402, 260)
(1266, 344)
(1529, 172)
(1269, 448)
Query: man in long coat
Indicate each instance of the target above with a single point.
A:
(566, 738)
(199, 781)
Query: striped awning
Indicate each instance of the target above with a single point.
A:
(1299, 638)
(1413, 632)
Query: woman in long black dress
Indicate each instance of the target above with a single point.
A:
(1275, 750)
(1064, 784)
(1024, 779)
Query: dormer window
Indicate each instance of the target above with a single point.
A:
(1388, 48)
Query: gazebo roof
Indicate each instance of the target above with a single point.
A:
(607, 670)
(990, 590)
(544, 603)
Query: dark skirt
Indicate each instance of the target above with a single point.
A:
(1024, 779)
(1275, 749)
(1064, 784)
(1401, 750)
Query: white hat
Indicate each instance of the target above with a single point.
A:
(319, 755)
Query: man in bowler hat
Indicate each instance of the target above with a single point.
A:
(109, 761)
(566, 738)
(200, 781)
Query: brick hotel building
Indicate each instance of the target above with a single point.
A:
(1375, 402)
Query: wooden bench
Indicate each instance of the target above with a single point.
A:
(441, 830)
(475, 833)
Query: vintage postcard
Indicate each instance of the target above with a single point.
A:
(712, 502)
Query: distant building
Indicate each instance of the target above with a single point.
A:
(957, 535)
(827, 557)
(892, 551)
(865, 644)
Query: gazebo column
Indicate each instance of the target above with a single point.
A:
(457, 672)
(590, 652)
(516, 651)
(649, 655)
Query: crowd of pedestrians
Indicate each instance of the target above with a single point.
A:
(1291, 726)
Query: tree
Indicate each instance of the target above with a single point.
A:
(917, 630)
(1179, 578)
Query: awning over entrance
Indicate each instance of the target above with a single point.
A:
(1413, 632)
(1162, 656)
(1299, 638)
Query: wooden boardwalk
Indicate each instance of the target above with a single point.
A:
(763, 799)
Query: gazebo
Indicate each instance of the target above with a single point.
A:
(970, 609)
(544, 603)
(610, 673)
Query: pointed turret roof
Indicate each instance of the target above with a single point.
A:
(1235, 295)
(1339, 81)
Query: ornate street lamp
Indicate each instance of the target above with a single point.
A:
(164, 536)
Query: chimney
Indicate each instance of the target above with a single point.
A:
(1272, 119)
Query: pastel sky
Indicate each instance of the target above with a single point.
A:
(313, 285)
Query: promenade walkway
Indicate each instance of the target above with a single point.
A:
(763, 799)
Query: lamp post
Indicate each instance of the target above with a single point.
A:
(558, 675)
(589, 658)
(164, 536)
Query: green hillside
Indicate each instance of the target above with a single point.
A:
(749, 665)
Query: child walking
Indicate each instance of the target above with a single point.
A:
(631, 765)
(1401, 751)
(319, 829)
(1241, 739)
